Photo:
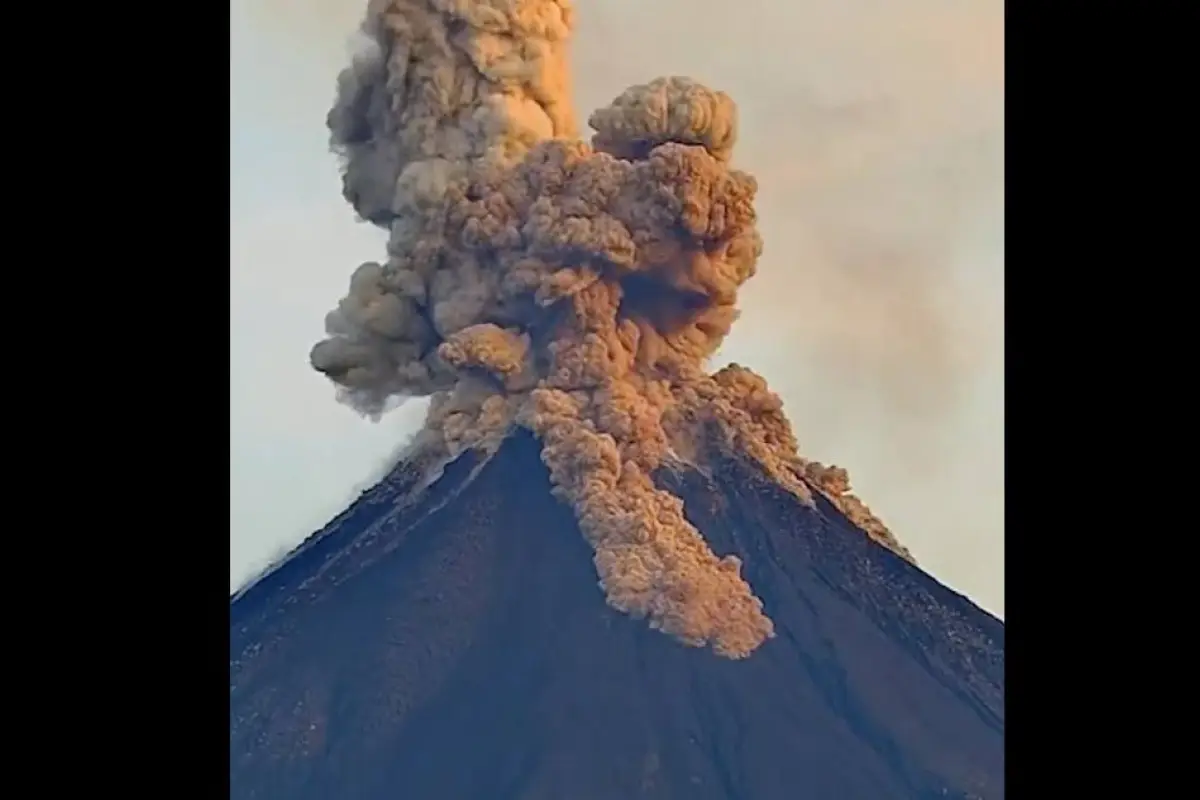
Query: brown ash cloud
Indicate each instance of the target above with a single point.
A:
(575, 289)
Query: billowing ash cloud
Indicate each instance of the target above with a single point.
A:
(576, 290)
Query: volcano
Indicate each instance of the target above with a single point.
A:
(446, 639)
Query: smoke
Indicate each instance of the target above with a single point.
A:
(574, 289)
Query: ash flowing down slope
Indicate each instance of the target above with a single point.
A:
(450, 643)
(575, 290)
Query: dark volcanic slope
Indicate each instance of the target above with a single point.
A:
(460, 648)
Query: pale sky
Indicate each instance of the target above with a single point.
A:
(876, 132)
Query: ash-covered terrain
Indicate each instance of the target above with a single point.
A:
(452, 643)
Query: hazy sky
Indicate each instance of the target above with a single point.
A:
(875, 130)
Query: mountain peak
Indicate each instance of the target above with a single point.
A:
(449, 640)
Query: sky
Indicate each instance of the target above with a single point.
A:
(876, 132)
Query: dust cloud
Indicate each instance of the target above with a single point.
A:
(577, 290)
(866, 305)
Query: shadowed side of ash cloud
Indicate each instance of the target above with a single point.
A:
(451, 642)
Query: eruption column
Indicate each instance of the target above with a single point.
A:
(577, 290)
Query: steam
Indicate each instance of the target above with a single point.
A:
(576, 290)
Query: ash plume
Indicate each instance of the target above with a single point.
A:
(573, 289)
